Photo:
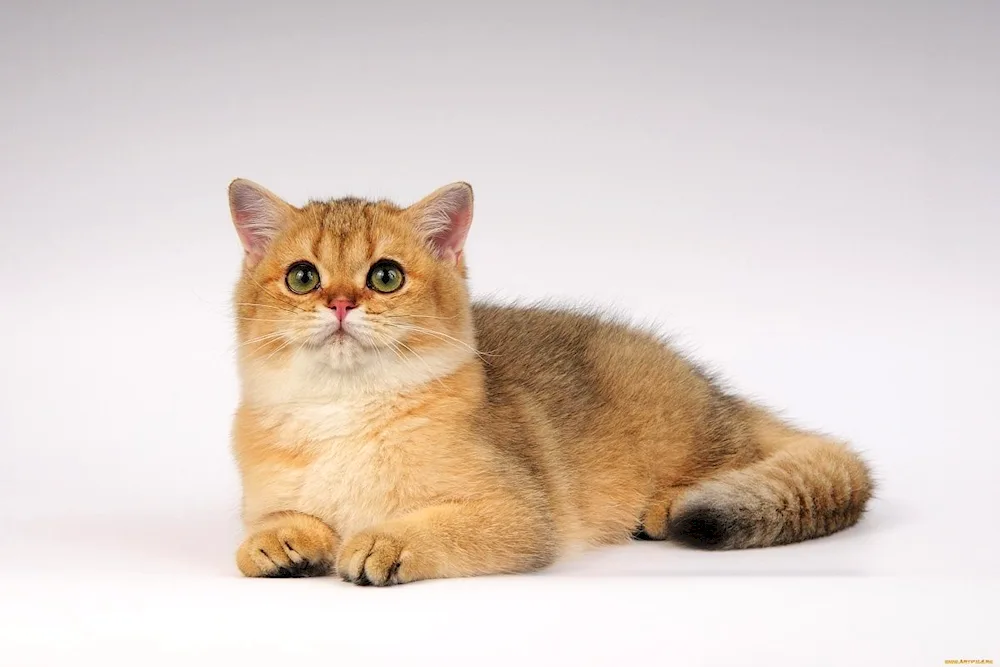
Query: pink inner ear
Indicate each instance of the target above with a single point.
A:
(254, 216)
(450, 240)
(253, 244)
(253, 239)
(447, 217)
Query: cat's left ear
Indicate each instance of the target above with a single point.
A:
(444, 217)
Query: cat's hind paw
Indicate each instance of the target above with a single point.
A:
(655, 519)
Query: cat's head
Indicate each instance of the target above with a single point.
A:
(364, 292)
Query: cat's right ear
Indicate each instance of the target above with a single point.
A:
(258, 215)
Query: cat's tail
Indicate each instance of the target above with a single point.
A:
(805, 486)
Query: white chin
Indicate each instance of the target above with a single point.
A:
(343, 353)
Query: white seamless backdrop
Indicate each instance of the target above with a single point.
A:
(805, 196)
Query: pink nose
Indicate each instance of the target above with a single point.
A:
(342, 307)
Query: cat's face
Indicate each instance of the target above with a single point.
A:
(353, 288)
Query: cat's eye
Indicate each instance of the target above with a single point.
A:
(302, 277)
(385, 276)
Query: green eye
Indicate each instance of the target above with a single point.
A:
(385, 276)
(302, 277)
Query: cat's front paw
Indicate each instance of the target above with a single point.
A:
(288, 544)
(373, 558)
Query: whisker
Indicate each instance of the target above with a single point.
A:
(264, 305)
(447, 338)
(378, 353)
(279, 297)
(261, 319)
(269, 338)
(375, 346)
(305, 339)
(394, 345)
(260, 344)
(430, 371)
(279, 348)
(427, 317)
(273, 334)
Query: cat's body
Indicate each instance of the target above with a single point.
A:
(436, 439)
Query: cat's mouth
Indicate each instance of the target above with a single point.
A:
(331, 336)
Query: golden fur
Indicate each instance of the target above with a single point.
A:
(442, 439)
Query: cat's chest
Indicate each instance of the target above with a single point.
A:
(363, 457)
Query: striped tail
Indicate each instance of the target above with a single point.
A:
(806, 486)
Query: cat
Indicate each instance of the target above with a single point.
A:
(390, 431)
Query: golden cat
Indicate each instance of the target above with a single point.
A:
(390, 431)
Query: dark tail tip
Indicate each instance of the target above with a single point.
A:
(702, 528)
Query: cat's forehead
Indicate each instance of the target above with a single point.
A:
(347, 229)
(351, 214)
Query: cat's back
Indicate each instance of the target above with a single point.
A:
(533, 338)
(573, 361)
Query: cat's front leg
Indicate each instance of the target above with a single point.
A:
(288, 544)
(501, 535)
